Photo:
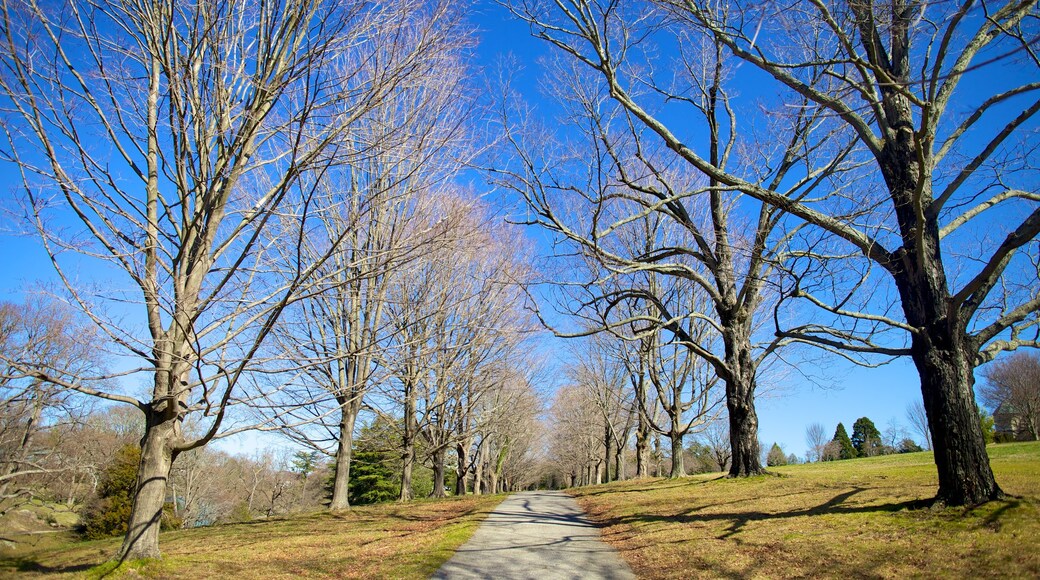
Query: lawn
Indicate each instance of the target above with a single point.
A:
(862, 518)
(407, 540)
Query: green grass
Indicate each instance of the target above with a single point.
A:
(408, 540)
(863, 518)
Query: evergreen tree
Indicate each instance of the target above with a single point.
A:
(866, 438)
(372, 479)
(776, 456)
(846, 449)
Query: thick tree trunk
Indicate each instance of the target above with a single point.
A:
(344, 452)
(608, 452)
(740, 402)
(438, 473)
(943, 352)
(142, 537)
(678, 465)
(944, 357)
(965, 476)
(743, 435)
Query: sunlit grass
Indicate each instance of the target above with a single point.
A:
(408, 540)
(858, 518)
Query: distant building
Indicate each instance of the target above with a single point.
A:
(1010, 425)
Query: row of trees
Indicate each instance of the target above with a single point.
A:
(253, 204)
(251, 207)
(858, 199)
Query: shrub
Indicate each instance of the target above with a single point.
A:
(109, 513)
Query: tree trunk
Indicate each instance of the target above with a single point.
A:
(619, 462)
(408, 442)
(142, 536)
(642, 447)
(678, 466)
(462, 471)
(608, 452)
(941, 349)
(743, 436)
(480, 469)
(944, 357)
(438, 473)
(740, 402)
(344, 451)
(965, 476)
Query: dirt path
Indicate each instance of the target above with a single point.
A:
(538, 535)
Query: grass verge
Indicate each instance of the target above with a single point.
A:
(863, 518)
(408, 540)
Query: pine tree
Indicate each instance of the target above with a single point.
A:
(841, 437)
(866, 438)
(776, 456)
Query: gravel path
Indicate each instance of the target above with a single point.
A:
(538, 535)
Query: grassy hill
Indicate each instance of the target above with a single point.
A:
(862, 518)
(384, 541)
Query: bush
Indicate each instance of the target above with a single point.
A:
(909, 446)
(109, 513)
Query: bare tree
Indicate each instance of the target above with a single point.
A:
(405, 147)
(716, 437)
(929, 162)
(1012, 389)
(618, 176)
(458, 319)
(918, 419)
(39, 336)
(171, 134)
(816, 439)
(575, 449)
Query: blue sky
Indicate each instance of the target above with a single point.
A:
(882, 394)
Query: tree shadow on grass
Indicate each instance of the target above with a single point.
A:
(992, 521)
(739, 519)
(29, 565)
(663, 484)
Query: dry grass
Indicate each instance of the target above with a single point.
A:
(387, 541)
(866, 518)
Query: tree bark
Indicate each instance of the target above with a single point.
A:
(480, 469)
(740, 401)
(944, 356)
(619, 462)
(462, 471)
(743, 432)
(678, 465)
(344, 452)
(162, 431)
(608, 451)
(642, 432)
(438, 473)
